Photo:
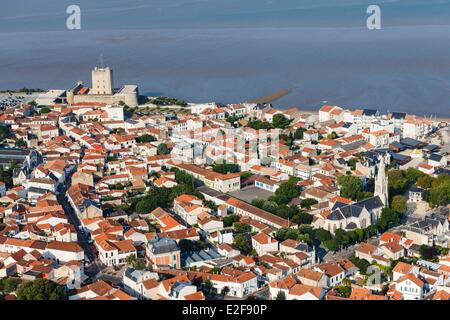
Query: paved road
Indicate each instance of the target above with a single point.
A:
(93, 268)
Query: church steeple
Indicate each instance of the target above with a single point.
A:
(381, 182)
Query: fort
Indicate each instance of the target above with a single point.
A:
(102, 90)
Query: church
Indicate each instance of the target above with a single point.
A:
(363, 213)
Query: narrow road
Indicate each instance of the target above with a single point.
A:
(93, 268)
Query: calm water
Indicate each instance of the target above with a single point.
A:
(235, 50)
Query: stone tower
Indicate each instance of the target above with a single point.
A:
(381, 183)
(102, 80)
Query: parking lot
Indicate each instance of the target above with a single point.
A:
(14, 99)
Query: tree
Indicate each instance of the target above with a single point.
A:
(135, 262)
(439, 193)
(258, 203)
(350, 186)
(323, 235)
(341, 236)
(427, 252)
(352, 163)
(228, 220)
(224, 168)
(209, 289)
(241, 227)
(287, 233)
(45, 110)
(270, 206)
(425, 182)
(302, 218)
(281, 295)
(361, 264)
(298, 134)
(162, 149)
(308, 202)
(399, 204)
(186, 245)
(287, 191)
(246, 175)
(343, 291)
(388, 219)
(8, 285)
(331, 245)
(145, 138)
(397, 182)
(146, 205)
(41, 289)
(210, 204)
(4, 132)
(225, 291)
(259, 125)
(280, 121)
(332, 136)
(413, 174)
(242, 243)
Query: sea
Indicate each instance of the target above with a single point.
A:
(231, 51)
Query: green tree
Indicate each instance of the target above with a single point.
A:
(439, 193)
(343, 291)
(5, 132)
(302, 218)
(270, 206)
(145, 138)
(259, 125)
(287, 233)
(286, 192)
(146, 205)
(45, 110)
(332, 135)
(399, 204)
(229, 220)
(425, 181)
(352, 163)
(8, 285)
(350, 186)
(361, 264)
(162, 149)
(412, 174)
(41, 289)
(135, 262)
(331, 245)
(246, 175)
(280, 295)
(210, 204)
(224, 168)
(341, 236)
(242, 242)
(389, 218)
(241, 227)
(323, 235)
(259, 203)
(398, 183)
(298, 135)
(308, 202)
(280, 121)
(428, 253)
